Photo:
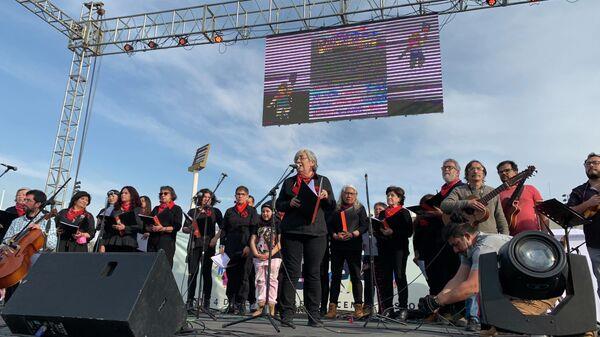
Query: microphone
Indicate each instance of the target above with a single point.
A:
(294, 166)
(224, 174)
(9, 167)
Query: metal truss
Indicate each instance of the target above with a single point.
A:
(254, 19)
(73, 103)
(225, 22)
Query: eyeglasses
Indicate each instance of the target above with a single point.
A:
(242, 193)
(504, 171)
(164, 193)
(349, 193)
(449, 168)
(592, 163)
(476, 168)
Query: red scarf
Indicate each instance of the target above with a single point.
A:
(447, 187)
(20, 209)
(241, 209)
(72, 214)
(389, 212)
(299, 180)
(165, 205)
(126, 206)
(344, 207)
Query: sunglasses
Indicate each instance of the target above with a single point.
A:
(164, 193)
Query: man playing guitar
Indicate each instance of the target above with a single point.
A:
(585, 199)
(518, 201)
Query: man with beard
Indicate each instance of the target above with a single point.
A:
(585, 199)
(526, 219)
(430, 246)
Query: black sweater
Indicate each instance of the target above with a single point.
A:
(213, 218)
(84, 222)
(112, 237)
(356, 219)
(294, 222)
(170, 217)
(401, 224)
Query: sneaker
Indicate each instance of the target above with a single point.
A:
(473, 325)
(315, 323)
(288, 321)
(461, 322)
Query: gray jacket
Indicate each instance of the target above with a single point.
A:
(457, 200)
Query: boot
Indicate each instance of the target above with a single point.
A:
(259, 309)
(367, 310)
(332, 312)
(272, 309)
(358, 311)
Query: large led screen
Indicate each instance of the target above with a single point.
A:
(364, 71)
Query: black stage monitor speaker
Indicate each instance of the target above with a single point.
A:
(89, 295)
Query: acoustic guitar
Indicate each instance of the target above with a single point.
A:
(476, 216)
(590, 212)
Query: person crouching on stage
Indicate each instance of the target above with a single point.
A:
(75, 225)
(392, 245)
(123, 237)
(346, 226)
(203, 230)
(303, 240)
(238, 224)
(167, 222)
(260, 246)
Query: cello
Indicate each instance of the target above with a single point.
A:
(15, 257)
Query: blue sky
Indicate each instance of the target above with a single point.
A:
(520, 83)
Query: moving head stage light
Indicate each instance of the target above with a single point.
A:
(534, 266)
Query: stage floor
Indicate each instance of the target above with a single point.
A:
(204, 326)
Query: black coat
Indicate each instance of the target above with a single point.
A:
(294, 222)
(128, 238)
(84, 223)
(236, 230)
(356, 219)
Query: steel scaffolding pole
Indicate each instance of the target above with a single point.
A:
(72, 107)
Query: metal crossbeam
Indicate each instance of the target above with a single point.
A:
(255, 19)
(54, 16)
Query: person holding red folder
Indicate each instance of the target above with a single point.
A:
(75, 225)
(346, 226)
(304, 234)
(392, 245)
(122, 237)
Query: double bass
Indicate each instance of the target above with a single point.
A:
(15, 257)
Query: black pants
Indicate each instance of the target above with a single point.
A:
(441, 267)
(251, 285)
(353, 259)
(324, 274)
(391, 265)
(205, 269)
(295, 247)
(237, 279)
(164, 242)
(368, 280)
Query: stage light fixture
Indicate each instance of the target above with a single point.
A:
(491, 3)
(128, 48)
(534, 266)
(217, 38)
(183, 41)
(152, 45)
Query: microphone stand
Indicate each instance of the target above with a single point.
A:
(100, 226)
(374, 315)
(3, 173)
(266, 313)
(197, 274)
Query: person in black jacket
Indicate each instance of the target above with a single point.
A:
(238, 224)
(167, 222)
(205, 218)
(392, 245)
(301, 239)
(75, 225)
(346, 226)
(122, 237)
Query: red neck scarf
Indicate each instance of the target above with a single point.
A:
(344, 207)
(241, 209)
(299, 180)
(165, 205)
(447, 187)
(72, 213)
(20, 209)
(391, 210)
(126, 206)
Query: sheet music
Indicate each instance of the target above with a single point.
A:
(142, 243)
